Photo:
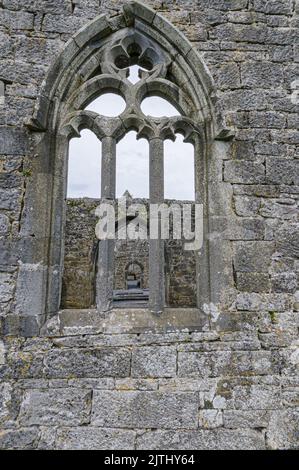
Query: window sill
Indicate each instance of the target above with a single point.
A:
(125, 321)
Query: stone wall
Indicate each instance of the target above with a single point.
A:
(80, 260)
(233, 384)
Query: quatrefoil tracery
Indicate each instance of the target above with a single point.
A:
(132, 48)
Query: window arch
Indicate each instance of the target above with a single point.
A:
(134, 275)
(96, 61)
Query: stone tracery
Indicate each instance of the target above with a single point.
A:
(132, 48)
(96, 61)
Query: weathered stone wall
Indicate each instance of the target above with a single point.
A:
(80, 260)
(234, 385)
(80, 255)
(129, 251)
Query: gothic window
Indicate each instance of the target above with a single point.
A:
(134, 55)
(150, 120)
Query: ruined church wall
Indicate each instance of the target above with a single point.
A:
(235, 383)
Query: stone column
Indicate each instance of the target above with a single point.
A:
(156, 247)
(105, 275)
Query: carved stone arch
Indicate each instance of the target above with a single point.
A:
(182, 76)
(77, 62)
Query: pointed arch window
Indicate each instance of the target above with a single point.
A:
(102, 58)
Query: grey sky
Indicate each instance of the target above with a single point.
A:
(132, 171)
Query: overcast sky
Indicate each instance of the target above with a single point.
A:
(132, 171)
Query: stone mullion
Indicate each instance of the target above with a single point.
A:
(156, 247)
(105, 275)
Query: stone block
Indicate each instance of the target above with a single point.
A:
(273, 7)
(268, 119)
(246, 206)
(261, 75)
(284, 282)
(229, 363)
(44, 6)
(101, 362)
(253, 256)
(252, 282)
(217, 439)
(16, 20)
(284, 208)
(37, 50)
(225, 5)
(240, 33)
(91, 438)
(142, 409)
(282, 171)
(227, 76)
(244, 172)
(55, 407)
(257, 397)
(288, 240)
(13, 142)
(10, 199)
(243, 150)
(62, 23)
(246, 419)
(19, 439)
(283, 430)
(154, 361)
(254, 302)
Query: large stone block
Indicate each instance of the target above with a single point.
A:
(268, 119)
(252, 282)
(243, 150)
(253, 256)
(10, 199)
(154, 361)
(284, 208)
(288, 240)
(225, 5)
(16, 19)
(236, 419)
(227, 76)
(213, 364)
(20, 364)
(240, 32)
(239, 171)
(246, 206)
(37, 50)
(72, 363)
(218, 439)
(283, 431)
(261, 74)
(254, 302)
(273, 7)
(13, 141)
(257, 397)
(237, 228)
(19, 439)
(53, 6)
(284, 282)
(282, 171)
(141, 409)
(62, 23)
(6, 287)
(55, 407)
(91, 438)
